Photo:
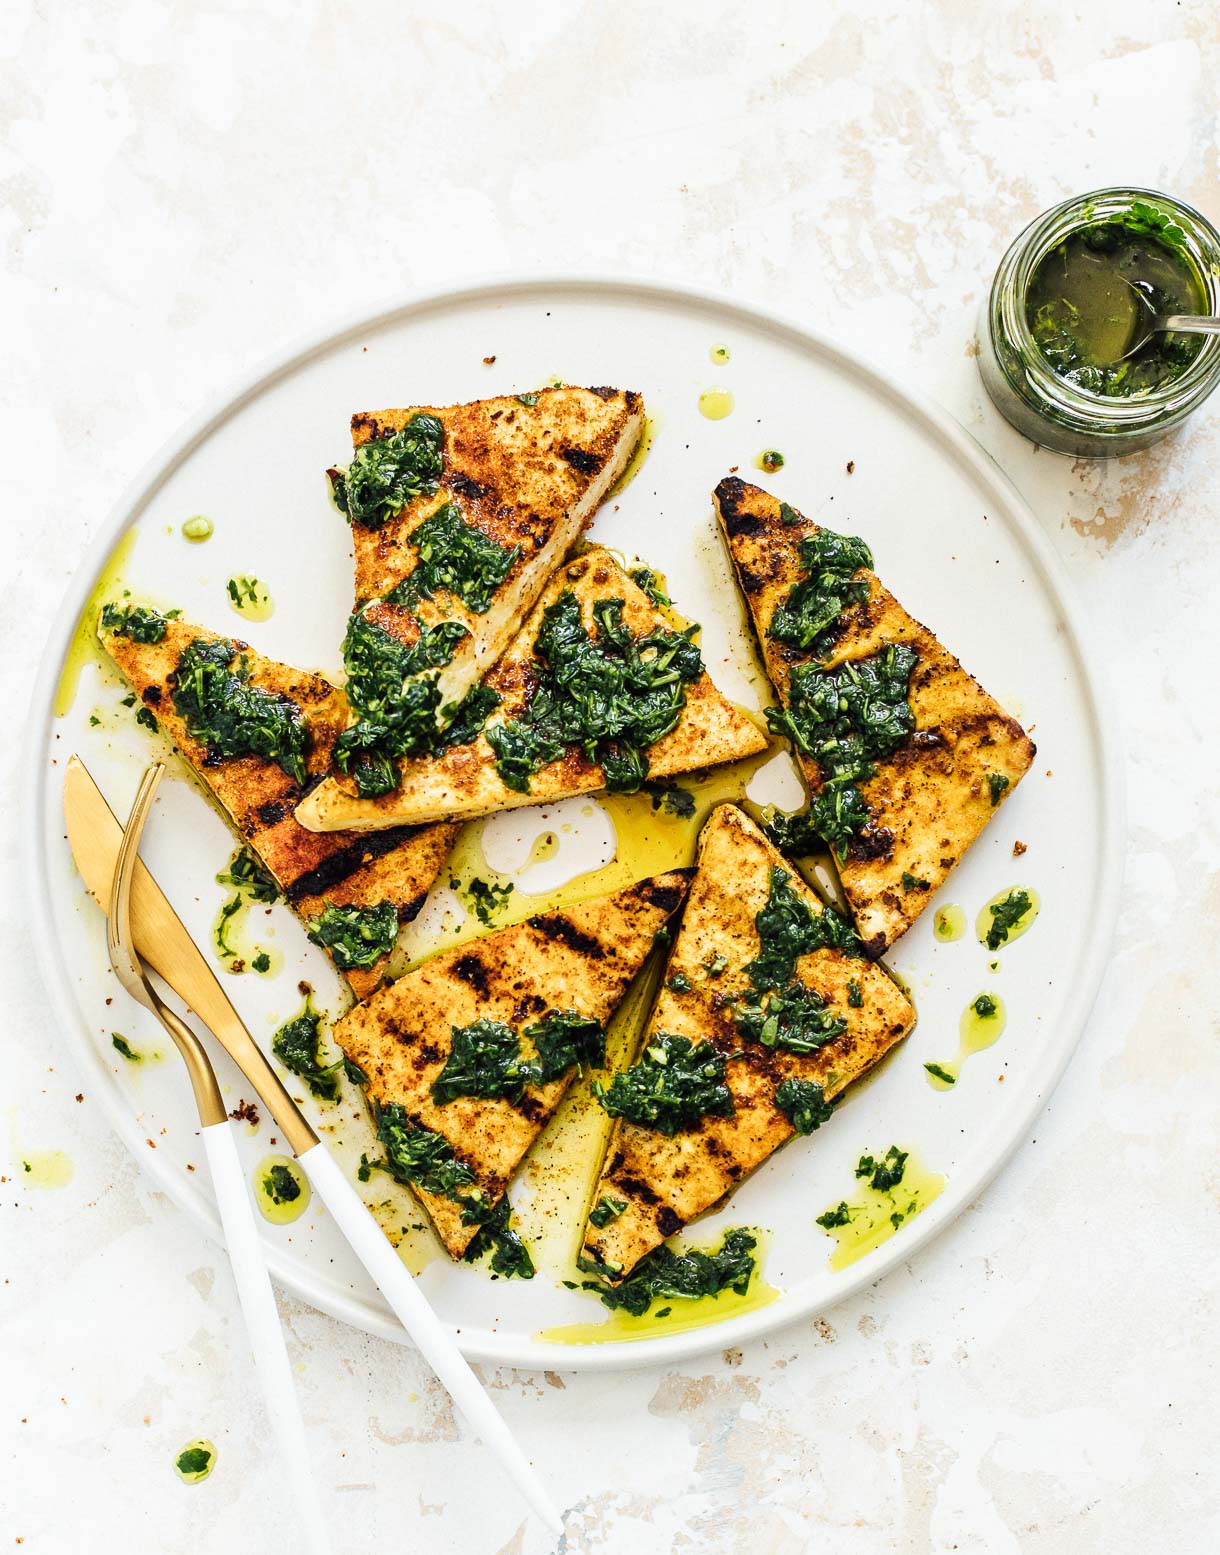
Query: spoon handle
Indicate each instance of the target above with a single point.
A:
(1190, 323)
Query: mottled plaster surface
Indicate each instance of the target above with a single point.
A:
(183, 187)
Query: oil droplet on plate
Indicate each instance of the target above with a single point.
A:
(995, 917)
(982, 1024)
(719, 355)
(281, 1189)
(769, 461)
(198, 529)
(715, 404)
(250, 598)
(45, 1169)
(873, 1215)
(949, 923)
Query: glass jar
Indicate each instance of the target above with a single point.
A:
(1044, 406)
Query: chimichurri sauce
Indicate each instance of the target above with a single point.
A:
(1083, 311)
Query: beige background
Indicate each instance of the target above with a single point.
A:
(186, 186)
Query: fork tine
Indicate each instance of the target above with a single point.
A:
(119, 940)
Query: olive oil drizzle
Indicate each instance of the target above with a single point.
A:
(874, 1215)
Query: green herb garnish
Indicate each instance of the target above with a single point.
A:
(389, 472)
(855, 994)
(941, 1074)
(232, 717)
(885, 1173)
(1006, 915)
(281, 1186)
(510, 1258)
(141, 623)
(985, 1005)
(839, 1216)
(646, 579)
(809, 615)
(121, 1043)
(147, 719)
(845, 719)
(457, 557)
(672, 799)
(610, 694)
(687, 1276)
(296, 1046)
(356, 936)
(804, 1104)
(996, 785)
(912, 882)
(248, 873)
(605, 1210)
(488, 898)
(672, 1085)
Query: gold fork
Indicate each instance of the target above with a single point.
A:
(228, 1179)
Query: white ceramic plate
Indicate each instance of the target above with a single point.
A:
(951, 538)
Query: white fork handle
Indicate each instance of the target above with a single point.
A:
(264, 1331)
(433, 1340)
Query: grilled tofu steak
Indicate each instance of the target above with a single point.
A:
(597, 691)
(259, 733)
(906, 756)
(459, 515)
(768, 1011)
(468, 1055)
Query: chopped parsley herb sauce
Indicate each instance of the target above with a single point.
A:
(985, 1005)
(839, 1216)
(610, 694)
(671, 1086)
(1005, 915)
(296, 1046)
(845, 719)
(912, 882)
(488, 898)
(457, 557)
(808, 618)
(394, 696)
(248, 873)
(672, 799)
(1083, 312)
(356, 936)
(122, 1045)
(224, 712)
(804, 1104)
(646, 579)
(996, 785)
(389, 472)
(684, 1276)
(938, 1072)
(141, 623)
(426, 1159)
(147, 719)
(280, 1186)
(605, 1210)
(486, 1057)
(778, 1010)
(884, 1173)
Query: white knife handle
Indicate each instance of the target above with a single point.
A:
(264, 1331)
(433, 1340)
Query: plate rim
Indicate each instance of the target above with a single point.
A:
(488, 1345)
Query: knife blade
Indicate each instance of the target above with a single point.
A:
(162, 939)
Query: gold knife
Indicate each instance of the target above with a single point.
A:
(161, 938)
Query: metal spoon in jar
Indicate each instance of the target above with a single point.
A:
(1153, 323)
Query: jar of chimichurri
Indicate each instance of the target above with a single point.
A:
(1063, 312)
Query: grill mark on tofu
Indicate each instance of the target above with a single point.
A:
(348, 857)
(472, 970)
(554, 926)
